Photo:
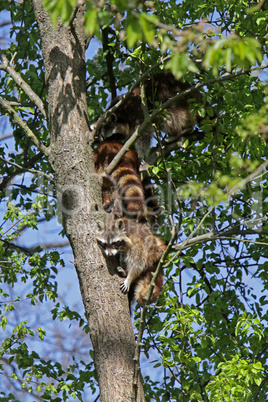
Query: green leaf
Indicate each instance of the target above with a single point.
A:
(91, 22)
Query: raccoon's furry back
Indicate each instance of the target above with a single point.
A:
(124, 182)
(144, 243)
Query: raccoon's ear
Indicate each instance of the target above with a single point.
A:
(119, 224)
(101, 226)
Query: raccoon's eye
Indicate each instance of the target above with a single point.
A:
(118, 244)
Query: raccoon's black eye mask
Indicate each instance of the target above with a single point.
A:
(101, 244)
(118, 244)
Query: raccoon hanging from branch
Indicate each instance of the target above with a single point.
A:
(141, 252)
(179, 118)
(124, 183)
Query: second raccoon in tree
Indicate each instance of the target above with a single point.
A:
(124, 183)
(141, 252)
(178, 119)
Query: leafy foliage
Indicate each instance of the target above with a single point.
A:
(206, 338)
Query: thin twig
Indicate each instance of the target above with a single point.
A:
(24, 299)
(244, 240)
(249, 178)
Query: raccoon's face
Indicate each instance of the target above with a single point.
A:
(118, 131)
(113, 240)
(111, 246)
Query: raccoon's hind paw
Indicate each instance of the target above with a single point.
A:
(124, 287)
(121, 271)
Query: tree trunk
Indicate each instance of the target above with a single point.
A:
(79, 198)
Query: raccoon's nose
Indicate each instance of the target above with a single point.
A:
(110, 254)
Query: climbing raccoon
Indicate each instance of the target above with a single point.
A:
(141, 252)
(178, 119)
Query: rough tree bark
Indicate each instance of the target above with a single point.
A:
(79, 197)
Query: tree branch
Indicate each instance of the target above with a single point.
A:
(16, 247)
(127, 95)
(127, 145)
(216, 236)
(230, 192)
(244, 240)
(170, 101)
(109, 57)
(28, 132)
(168, 147)
(30, 162)
(142, 319)
(25, 169)
(22, 381)
(4, 137)
(47, 246)
(147, 300)
(4, 23)
(6, 66)
(249, 178)
(150, 118)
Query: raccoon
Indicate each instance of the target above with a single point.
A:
(179, 118)
(140, 250)
(124, 183)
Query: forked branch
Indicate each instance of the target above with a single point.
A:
(27, 131)
(6, 66)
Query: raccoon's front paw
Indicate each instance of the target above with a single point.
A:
(124, 287)
(143, 165)
(121, 271)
